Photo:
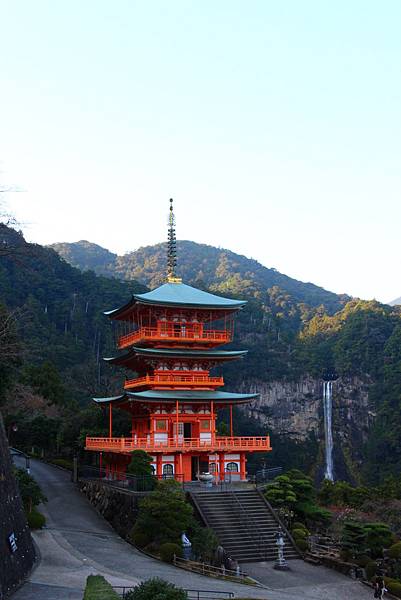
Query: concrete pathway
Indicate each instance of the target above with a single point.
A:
(77, 542)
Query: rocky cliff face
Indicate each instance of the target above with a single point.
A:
(295, 409)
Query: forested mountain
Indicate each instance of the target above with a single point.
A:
(204, 266)
(86, 256)
(297, 335)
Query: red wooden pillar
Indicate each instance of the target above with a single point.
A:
(242, 466)
(110, 421)
(159, 465)
(213, 424)
(221, 466)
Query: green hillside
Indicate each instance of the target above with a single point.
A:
(205, 266)
(292, 330)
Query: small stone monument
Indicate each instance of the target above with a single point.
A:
(281, 563)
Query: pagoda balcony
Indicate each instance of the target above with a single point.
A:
(175, 381)
(218, 444)
(155, 335)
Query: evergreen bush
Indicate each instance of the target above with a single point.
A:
(156, 589)
(299, 534)
(139, 538)
(393, 586)
(167, 551)
(395, 550)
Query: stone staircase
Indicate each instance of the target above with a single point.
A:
(244, 524)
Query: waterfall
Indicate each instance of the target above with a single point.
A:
(328, 429)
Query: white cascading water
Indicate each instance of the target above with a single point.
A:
(328, 431)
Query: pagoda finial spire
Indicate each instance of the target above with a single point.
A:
(171, 248)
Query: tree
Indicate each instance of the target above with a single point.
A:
(165, 514)
(31, 494)
(141, 464)
(353, 538)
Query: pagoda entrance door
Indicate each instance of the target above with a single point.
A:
(187, 431)
(198, 466)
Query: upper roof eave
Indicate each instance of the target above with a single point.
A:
(179, 294)
(167, 352)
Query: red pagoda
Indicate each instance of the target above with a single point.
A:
(173, 341)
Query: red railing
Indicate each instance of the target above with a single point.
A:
(170, 334)
(227, 444)
(170, 380)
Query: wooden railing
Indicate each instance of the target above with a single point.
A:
(168, 335)
(174, 381)
(220, 443)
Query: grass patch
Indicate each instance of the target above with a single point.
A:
(35, 519)
(97, 588)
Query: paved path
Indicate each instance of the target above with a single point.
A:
(77, 542)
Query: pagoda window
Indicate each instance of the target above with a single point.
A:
(212, 467)
(204, 425)
(232, 467)
(168, 470)
(161, 425)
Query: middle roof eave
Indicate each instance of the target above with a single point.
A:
(172, 353)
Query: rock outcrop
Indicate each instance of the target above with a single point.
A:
(295, 409)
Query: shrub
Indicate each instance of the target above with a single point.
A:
(363, 560)
(204, 544)
(370, 570)
(156, 589)
(97, 588)
(299, 525)
(302, 544)
(395, 550)
(35, 519)
(299, 534)
(168, 550)
(139, 538)
(393, 586)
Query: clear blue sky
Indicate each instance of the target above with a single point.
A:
(276, 126)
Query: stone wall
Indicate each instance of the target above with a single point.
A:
(17, 553)
(119, 508)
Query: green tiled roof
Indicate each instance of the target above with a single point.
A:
(181, 396)
(167, 353)
(179, 294)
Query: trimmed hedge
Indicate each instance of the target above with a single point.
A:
(35, 519)
(97, 588)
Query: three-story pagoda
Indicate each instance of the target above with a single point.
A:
(175, 336)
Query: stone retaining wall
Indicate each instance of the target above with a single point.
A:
(17, 553)
(119, 508)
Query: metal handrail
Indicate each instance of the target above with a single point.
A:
(244, 516)
(204, 568)
(192, 594)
